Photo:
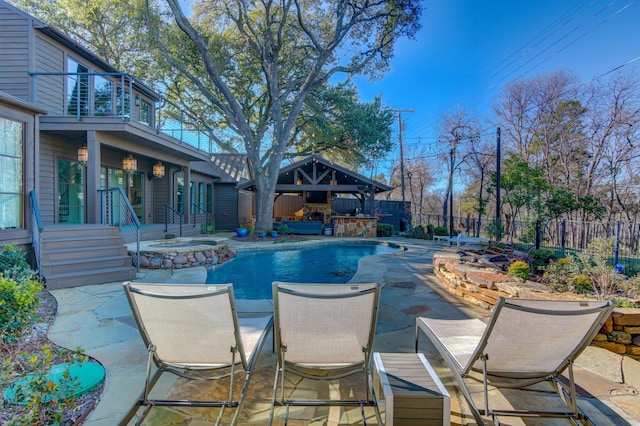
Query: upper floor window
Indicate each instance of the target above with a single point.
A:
(77, 88)
(11, 184)
(102, 96)
(145, 113)
(123, 102)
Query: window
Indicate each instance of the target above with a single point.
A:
(192, 197)
(123, 102)
(180, 194)
(145, 113)
(209, 198)
(201, 195)
(102, 92)
(77, 88)
(11, 184)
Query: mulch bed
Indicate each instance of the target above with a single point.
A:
(33, 343)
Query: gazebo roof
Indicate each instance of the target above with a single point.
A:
(315, 173)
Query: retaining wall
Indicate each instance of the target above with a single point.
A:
(477, 277)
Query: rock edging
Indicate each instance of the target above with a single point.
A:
(477, 276)
(208, 258)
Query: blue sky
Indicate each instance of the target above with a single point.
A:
(467, 50)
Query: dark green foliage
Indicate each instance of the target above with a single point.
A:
(540, 258)
(284, 230)
(384, 230)
(419, 232)
(11, 258)
(440, 230)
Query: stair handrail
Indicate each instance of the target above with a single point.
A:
(116, 210)
(36, 229)
(200, 210)
(170, 214)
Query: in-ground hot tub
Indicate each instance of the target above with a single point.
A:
(177, 253)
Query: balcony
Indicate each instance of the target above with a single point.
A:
(116, 98)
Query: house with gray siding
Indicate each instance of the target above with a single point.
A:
(93, 149)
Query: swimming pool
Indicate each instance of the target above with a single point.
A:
(252, 272)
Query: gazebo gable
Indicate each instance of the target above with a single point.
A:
(316, 173)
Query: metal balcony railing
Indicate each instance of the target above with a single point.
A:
(88, 94)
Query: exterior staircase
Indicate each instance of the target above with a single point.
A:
(76, 255)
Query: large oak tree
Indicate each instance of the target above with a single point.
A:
(254, 64)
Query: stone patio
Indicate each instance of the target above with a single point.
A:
(97, 318)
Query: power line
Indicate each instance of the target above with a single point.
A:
(565, 46)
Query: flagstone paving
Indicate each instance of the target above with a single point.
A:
(97, 318)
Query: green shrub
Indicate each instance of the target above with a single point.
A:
(495, 229)
(581, 283)
(384, 230)
(210, 229)
(430, 228)
(519, 269)
(441, 231)
(284, 229)
(18, 304)
(557, 274)
(45, 401)
(540, 258)
(417, 232)
(12, 259)
(625, 303)
(594, 262)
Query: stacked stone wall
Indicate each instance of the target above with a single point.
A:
(478, 278)
(188, 259)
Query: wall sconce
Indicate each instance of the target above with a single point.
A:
(299, 181)
(83, 155)
(129, 164)
(158, 170)
(137, 100)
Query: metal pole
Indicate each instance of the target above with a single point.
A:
(401, 155)
(498, 216)
(400, 125)
(616, 250)
(563, 240)
(451, 195)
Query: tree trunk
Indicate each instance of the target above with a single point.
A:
(265, 195)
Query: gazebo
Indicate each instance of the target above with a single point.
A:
(319, 181)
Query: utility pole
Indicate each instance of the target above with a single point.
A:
(451, 159)
(400, 128)
(498, 217)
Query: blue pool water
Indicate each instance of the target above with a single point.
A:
(253, 272)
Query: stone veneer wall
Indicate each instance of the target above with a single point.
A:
(354, 226)
(473, 277)
(177, 260)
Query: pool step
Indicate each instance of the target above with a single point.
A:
(75, 255)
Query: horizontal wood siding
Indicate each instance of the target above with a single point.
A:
(51, 148)
(285, 205)
(50, 89)
(160, 196)
(245, 208)
(14, 51)
(225, 206)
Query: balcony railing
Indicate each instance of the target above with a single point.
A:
(82, 95)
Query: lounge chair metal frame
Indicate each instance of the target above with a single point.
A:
(237, 362)
(450, 339)
(330, 368)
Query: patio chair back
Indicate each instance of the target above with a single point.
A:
(325, 325)
(537, 338)
(200, 331)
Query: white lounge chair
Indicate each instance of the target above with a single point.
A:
(461, 239)
(525, 342)
(324, 332)
(194, 327)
